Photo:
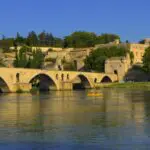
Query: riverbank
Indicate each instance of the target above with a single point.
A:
(139, 85)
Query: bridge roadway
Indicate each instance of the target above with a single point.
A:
(14, 79)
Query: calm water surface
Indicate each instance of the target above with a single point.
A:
(119, 119)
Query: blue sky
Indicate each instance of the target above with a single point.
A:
(128, 18)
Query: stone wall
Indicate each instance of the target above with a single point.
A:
(118, 66)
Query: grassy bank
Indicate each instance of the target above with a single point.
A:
(139, 85)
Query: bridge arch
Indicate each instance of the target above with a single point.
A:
(43, 82)
(106, 79)
(4, 86)
(81, 82)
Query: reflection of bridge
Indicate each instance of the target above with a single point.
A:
(13, 79)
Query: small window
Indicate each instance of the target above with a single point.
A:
(95, 80)
(115, 72)
(17, 77)
(67, 76)
(56, 76)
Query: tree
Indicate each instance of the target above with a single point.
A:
(19, 40)
(96, 60)
(58, 42)
(106, 38)
(37, 60)
(142, 42)
(42, 37)
(127, 42)
(3, 37)
(146, 60)
(32, 39)
(80, 39)
(2, 64)
(21, 60)
(47, 39)
(131, 57)
(6, 43)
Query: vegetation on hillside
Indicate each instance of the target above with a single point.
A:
(6, 43)
(146, 60)
(82, 39)
(34, 59)
(77, 39)
(2, 63)
(96, 60)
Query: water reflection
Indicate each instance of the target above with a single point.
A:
(117, 119)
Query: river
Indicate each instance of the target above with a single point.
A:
(117, 119)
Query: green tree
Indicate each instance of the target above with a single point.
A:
(58, 42)
(96, 60)
(131, 57)
(142, 42)
(2, 64)
(146, 60)
(6, 43)
(80, 39)
(37, 60)
(106, 38)
(19, 40)
(42, 37)
(32, 39)
(47, 39)
(21, 60)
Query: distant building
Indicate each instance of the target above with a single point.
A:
(137, 49)
(121, 65)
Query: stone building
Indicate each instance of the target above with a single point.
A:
(118, 65)
(138, 51)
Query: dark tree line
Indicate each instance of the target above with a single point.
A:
(6, 43)
(88, 39)
(42, 39)
(77, 39)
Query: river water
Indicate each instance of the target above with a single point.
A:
(117, 119)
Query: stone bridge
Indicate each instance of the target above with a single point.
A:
(14, 79)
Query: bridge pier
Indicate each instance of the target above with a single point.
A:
(66, 85)
(23, 87)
